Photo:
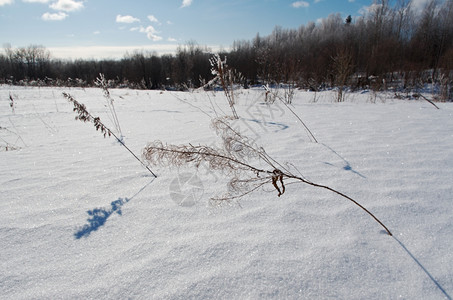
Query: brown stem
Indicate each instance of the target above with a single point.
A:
(343, 195)
(85, 116)
(197, 152)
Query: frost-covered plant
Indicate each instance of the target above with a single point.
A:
(226, 77)
(272, 94)
(247, 165)
(84, 116)
(290, 91)
(102, 83)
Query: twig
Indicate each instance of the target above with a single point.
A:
(420, 95)
(227, 78)
(232, 160)
(85, 116)
(101, 82)
(342, 195)
(11, 103)
(292, 111)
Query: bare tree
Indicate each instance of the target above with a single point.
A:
(343, 68)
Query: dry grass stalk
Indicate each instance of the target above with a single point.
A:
(7, 146)
(426, 99)
(227, 77)
(11, 103)
(13, 134)
(102, 83)
(310, 134)
(84, 116)
(238, 159)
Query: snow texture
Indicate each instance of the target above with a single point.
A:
(81, 218)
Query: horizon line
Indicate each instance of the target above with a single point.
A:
(116, 52)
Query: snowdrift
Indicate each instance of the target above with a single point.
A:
(80, 218)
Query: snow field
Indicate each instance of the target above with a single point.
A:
(81, 218)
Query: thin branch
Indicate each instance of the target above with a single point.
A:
(84, 116)
(157, 152)
(11, 103)
(229, 198)
(292, 111)
(247, 177)
(420, 95)
(341, 194)
(227, 78)
(102, 83)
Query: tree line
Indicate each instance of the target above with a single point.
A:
(389, 46)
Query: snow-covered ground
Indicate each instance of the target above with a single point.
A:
(81, 218)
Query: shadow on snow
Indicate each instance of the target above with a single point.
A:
(347, 165)
(98, 217)
(439, 286)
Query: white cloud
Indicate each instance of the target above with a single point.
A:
(299, 4)
(170, 39)
(370, 9)
(103, 52)
(36, 1)
(6, 2)
(153, 19)
(59, 16)
(419, 5)
(154, 38)
(67, 5)
(96, 32)
(126, 19)
(151, 33)
(186, 3)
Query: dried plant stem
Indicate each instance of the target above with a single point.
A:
(342, 195)
(133, 154)
(102, 83)
(8, 146)
(11, 103)
(84, 116)
(232, 161)
(227, 78)
(432, 103)
(300, 120)
(198, 154)
(228, 89)
(292, 111)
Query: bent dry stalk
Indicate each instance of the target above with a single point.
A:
(292, 111)
(84, 116)
(232, 161)
(227, 78)
(102, 83)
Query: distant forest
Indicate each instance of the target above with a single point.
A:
(389, 47)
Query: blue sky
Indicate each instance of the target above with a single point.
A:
(106, 28)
